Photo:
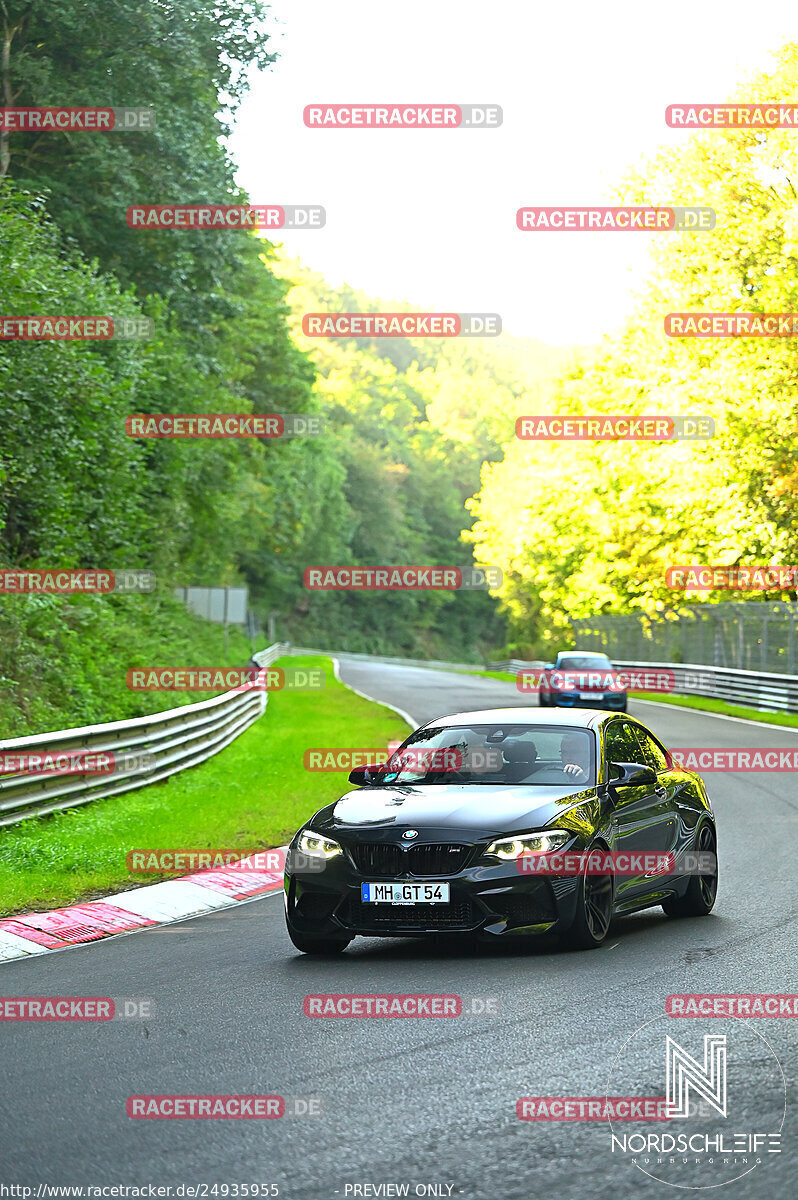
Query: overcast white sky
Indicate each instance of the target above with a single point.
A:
(428, 216)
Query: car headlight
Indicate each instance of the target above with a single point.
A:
(317, 846)
(528, 843)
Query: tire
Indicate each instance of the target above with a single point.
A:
(699, 899)
(325, 946)
(543, 701)
(594, 901)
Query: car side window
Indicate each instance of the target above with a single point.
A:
(653, 755)
(620, 745)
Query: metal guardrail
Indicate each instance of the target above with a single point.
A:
(146, 750)
(514, 665)
(761, 690)
(754, 689)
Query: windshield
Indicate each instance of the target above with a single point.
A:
(583, 662)
(534, 755)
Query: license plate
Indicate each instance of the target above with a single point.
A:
(405, 893)
(588, 695)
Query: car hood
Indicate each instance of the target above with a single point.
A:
(483, 808)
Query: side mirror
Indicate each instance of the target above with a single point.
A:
(548, 666)
(361, 776)
(632, 775)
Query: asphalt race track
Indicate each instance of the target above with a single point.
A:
(406, 1101)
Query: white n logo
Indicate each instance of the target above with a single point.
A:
(684, 1072)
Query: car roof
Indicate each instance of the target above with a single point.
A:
(582, 654)
(579, 718)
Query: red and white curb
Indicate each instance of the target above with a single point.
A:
(141, 908)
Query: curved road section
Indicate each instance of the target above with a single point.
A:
(417, 1107)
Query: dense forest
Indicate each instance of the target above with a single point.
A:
(408, 424)
(613, 516)
(418, 463)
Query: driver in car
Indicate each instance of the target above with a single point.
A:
(575, 755)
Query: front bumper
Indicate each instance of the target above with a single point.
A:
(610, 700)
(486, 900)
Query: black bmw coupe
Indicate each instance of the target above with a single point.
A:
(496, 825)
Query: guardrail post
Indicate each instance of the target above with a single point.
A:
(764, 656)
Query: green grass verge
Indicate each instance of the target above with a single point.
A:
(254, 794)
(505, 676)
(707, 704)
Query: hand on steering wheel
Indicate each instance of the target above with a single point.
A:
(573, 769)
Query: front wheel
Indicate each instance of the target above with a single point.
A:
(699, 899)
(593, 913)
(325, 946)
